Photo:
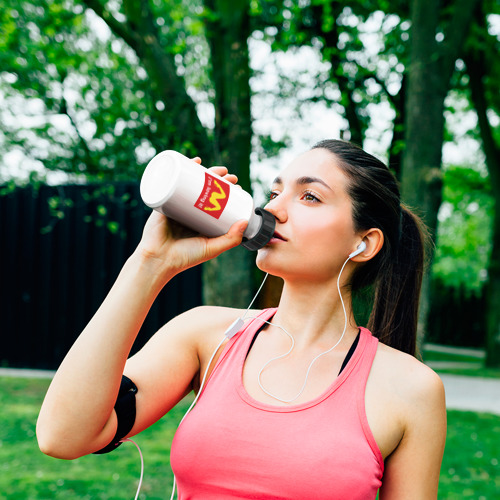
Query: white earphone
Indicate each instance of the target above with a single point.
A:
(361, 248)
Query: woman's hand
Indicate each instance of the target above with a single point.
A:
(176, 248)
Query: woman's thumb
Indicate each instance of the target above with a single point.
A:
(229, 240)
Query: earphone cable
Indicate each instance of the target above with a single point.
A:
(293, 343)
(255, 296)
(142, 466)
(197, 397)
(208, 366)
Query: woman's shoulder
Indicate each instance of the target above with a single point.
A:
(409, 379)
(216, 314)
(210, 321)
(212, 313)
(207, 326)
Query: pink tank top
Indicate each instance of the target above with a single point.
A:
(233, 447)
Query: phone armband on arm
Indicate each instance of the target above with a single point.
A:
(125, 412)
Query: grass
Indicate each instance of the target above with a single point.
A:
(471, 464)
(25, 473)
(472, 372)
(470, 467)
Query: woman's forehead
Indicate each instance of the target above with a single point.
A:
(316, 163)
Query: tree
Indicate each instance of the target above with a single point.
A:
(483, 70)
(437, 36)
(228, 30)
(166, 60)
(96, 110)
(134, 91)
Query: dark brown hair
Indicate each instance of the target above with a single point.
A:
(396, 271)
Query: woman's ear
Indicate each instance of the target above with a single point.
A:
(374, 240)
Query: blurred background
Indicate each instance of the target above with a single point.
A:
(91, 90)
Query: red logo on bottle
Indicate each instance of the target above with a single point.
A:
(213, 198)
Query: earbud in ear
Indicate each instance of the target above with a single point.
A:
(361, 248)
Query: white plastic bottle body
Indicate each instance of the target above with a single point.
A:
(185, 191)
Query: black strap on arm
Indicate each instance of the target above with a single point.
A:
(125, 412)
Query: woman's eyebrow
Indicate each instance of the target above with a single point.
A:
(304, 180)
(311, 180)
(301, 181)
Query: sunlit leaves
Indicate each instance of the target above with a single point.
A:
(78, 99)
(465, 225)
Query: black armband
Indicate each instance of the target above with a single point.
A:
(125, 412)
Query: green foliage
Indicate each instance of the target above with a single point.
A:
(464, 235)
(77, 98)
(89, 105)
(364, 43)
(268, 147)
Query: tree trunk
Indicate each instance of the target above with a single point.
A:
(431, 66)
(477, 68)
(228, 279)
(421, 179)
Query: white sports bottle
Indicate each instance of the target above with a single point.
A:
(185, 191)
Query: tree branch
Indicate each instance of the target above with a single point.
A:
(456, 33)
(476, 69)
(141, 33)
(118, 28)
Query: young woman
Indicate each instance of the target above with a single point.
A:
(342, 414)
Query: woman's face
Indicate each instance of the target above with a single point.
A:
(314, 228)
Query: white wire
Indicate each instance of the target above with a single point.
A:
(255, 296)
(293, 343)
(142, 466)
(206, 371)
(196, 399)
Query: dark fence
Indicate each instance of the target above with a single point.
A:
(457, 318)
(61, 248)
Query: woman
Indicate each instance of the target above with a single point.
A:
(340, 416)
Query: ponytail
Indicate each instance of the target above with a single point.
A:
(396, 272)
(394, 315)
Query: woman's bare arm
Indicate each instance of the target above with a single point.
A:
(77, 414)
(412, 470)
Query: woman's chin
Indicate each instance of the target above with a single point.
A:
(265, 262)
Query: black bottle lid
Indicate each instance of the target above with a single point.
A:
(265, 232)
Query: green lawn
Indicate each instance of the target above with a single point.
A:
(470, 468)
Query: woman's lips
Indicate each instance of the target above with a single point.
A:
(277, 237)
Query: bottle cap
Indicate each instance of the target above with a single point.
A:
(265, 232)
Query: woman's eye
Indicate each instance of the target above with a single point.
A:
(272, 195)
(310, 197)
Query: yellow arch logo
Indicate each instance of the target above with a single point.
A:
(214, 197)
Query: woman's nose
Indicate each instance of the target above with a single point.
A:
(276, 206)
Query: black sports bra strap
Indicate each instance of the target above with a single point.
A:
(346, 359)
(351, 352)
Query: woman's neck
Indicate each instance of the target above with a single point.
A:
(314, 313)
